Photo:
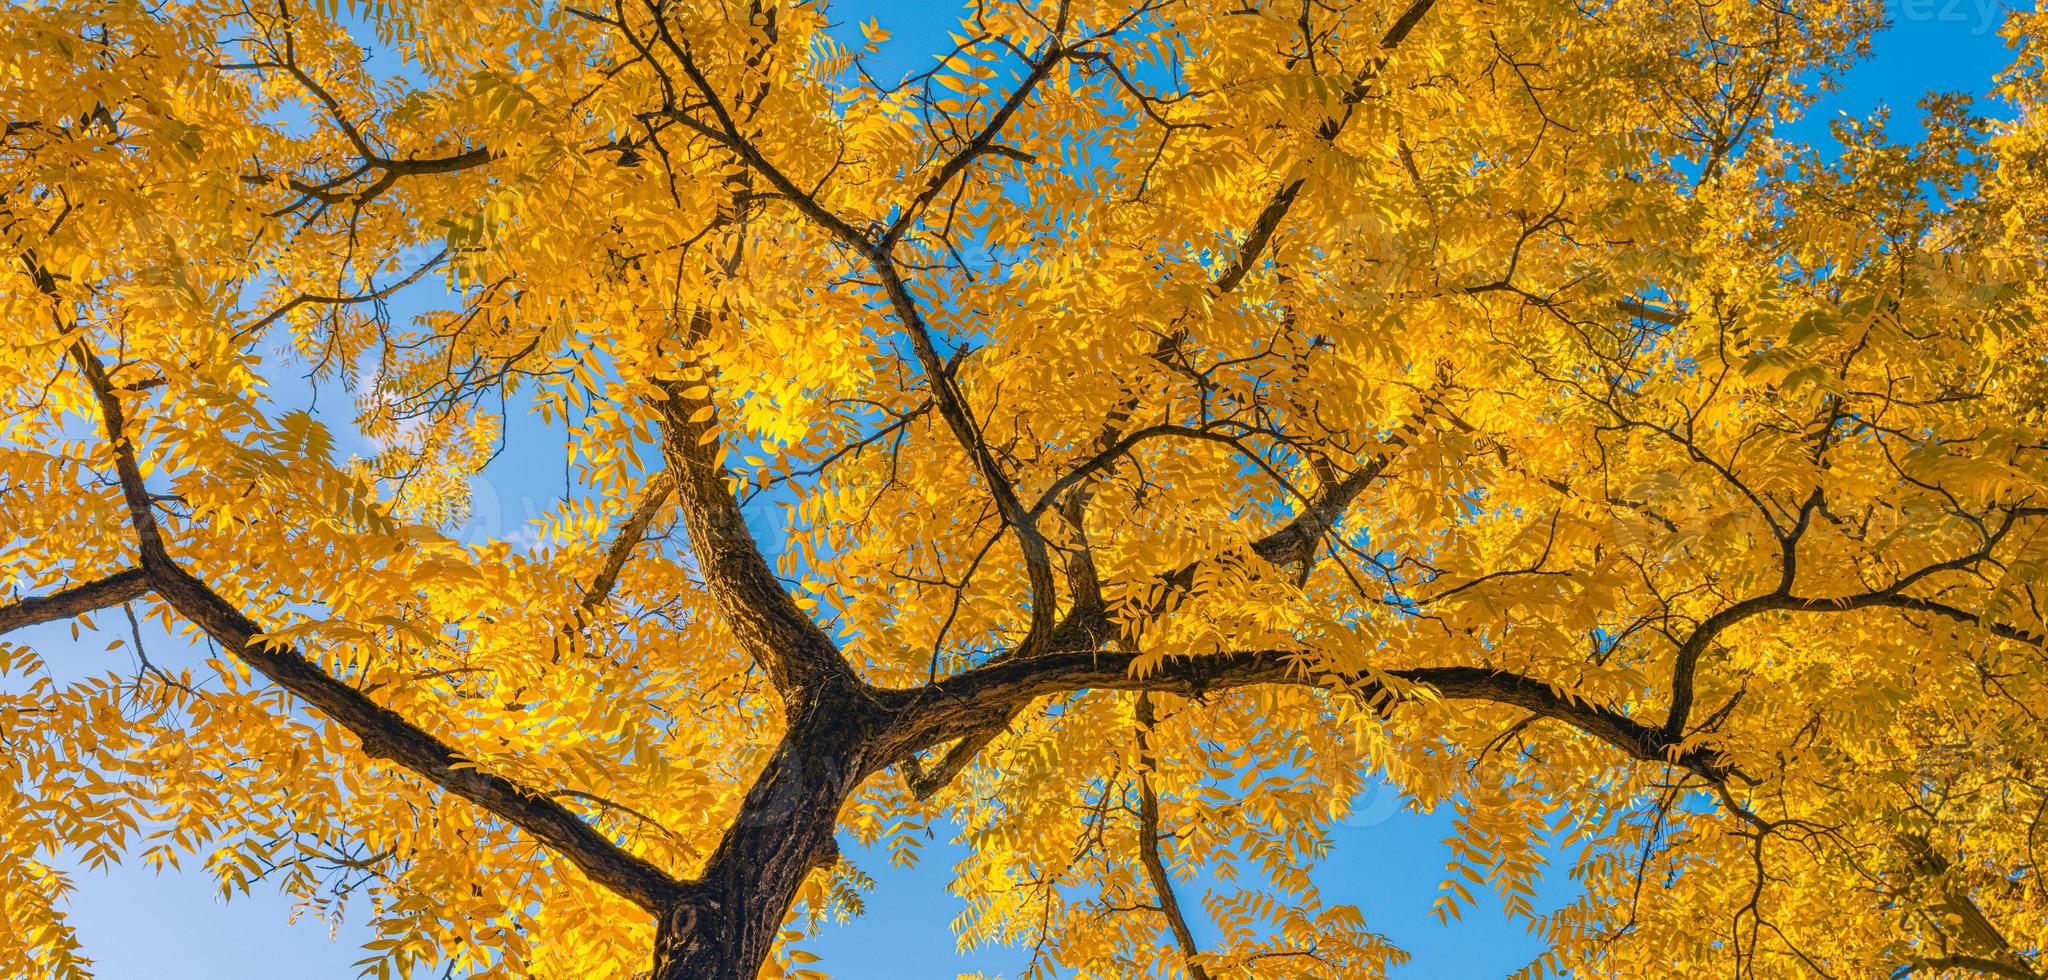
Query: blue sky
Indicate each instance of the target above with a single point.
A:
(142, 926)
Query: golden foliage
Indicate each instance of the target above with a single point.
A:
(1184, 414)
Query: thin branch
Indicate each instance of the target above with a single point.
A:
(372, 296)
(2001, 958)
(1148, 847)
(983, 142)
(925, 784)
(628, 537)
(1686, 665)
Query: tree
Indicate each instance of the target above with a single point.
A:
(1185, 414)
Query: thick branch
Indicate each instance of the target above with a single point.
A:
(1260, 235)
(952, 405)
(954, 706)
(1405, 23)
(946, 395)
(1296, 541)
(1975, 964)
(797, 655)
(141, 510)
(2001, 630)
(1282, 201)
(75, 601)
(926, 783)
(384, 733)
(1685, 667)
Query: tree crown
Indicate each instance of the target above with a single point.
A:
(1179, 414)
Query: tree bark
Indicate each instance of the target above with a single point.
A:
(724, 925)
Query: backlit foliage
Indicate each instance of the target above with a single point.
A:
(1164, 419)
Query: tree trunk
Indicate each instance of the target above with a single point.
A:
(725, 923)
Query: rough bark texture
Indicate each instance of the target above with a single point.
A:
(724, 924)
(78, 600)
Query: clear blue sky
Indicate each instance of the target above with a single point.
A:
(141, 926)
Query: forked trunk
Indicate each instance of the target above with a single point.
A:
(725, 924)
